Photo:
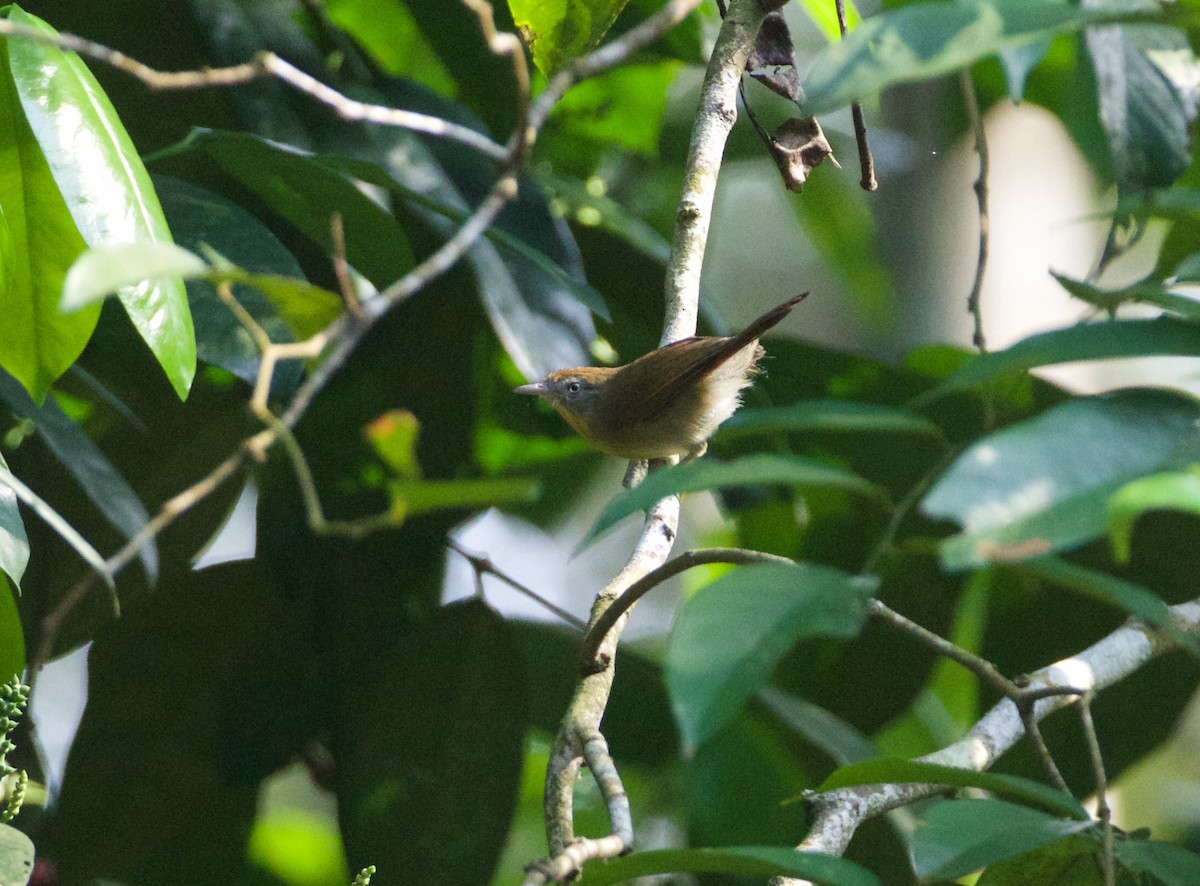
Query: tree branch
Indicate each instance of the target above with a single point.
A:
(838, 813)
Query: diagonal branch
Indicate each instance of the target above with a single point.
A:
(837, 814)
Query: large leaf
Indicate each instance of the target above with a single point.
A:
(38, 242)
(1162, 336)
(1178, 491)
(746, 861)
(84, 461)
(1134, 599)
(924, 40)
(1043, 485)
(709, 473)
(14, 543)
(836, 416)
(307, 193)
(103, 183)
(1144, 113)
(884, 770)
(1167, 863)
(728, 638)
(558, 31)
(12, 635)
(961, 836)
(16, 856)
(427, 774)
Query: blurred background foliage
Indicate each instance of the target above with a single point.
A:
(293, 716)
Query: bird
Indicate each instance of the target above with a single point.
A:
(665, 403)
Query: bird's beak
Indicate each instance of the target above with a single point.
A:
(536, 389)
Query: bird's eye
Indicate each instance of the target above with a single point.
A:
(574, 387)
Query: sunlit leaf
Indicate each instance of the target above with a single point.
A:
(1043, 485)
(559, 30)
(12, 635)
(105, 187)
(104, 269)
(728, 637)
(16, 856)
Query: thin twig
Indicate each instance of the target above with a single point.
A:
(866, 162)
(1103, 812)
(838, 813)
(590, 659)
(264, 64)
(483, 565)
(971, 101)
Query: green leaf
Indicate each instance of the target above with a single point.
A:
(1177, 491)
(1147, 292)
(1143, 111)
(83, 460)
(1043, 485)
(307, 193)
(103, 183)
(16, 856)
(835, 416)
(557, 31)
(708, 473)
(1169, 864)
(1106, 340)
(387, 31)
(409, 498)
(104, 269)
(14, 543)
(38, 242)
(961, 836)
(1072, 861)
(1134, 599)
(728, 637)
(1025, 790)
(12, 634)
(924, 40)
(824, 16)
(56, 522)
(746, 861)
(829, 732)
(622, 107)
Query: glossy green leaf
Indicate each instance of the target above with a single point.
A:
(560, 30)
(1043, 485)
(83, 460)
(104, 269)
(961, 836)
(1177, 491)
(1167, 863)
(1024, 790)
(1132, 598)
(16, 856)
(38, 242)
(105, 187)
(833, 416)
(14, 543)
(307, 193)
(924, 40)
(12, 635)
(708, 473)
(728, 637)
(1104, 340)
(1143, 111)
(745, 861)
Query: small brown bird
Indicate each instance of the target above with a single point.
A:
(667, 402)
